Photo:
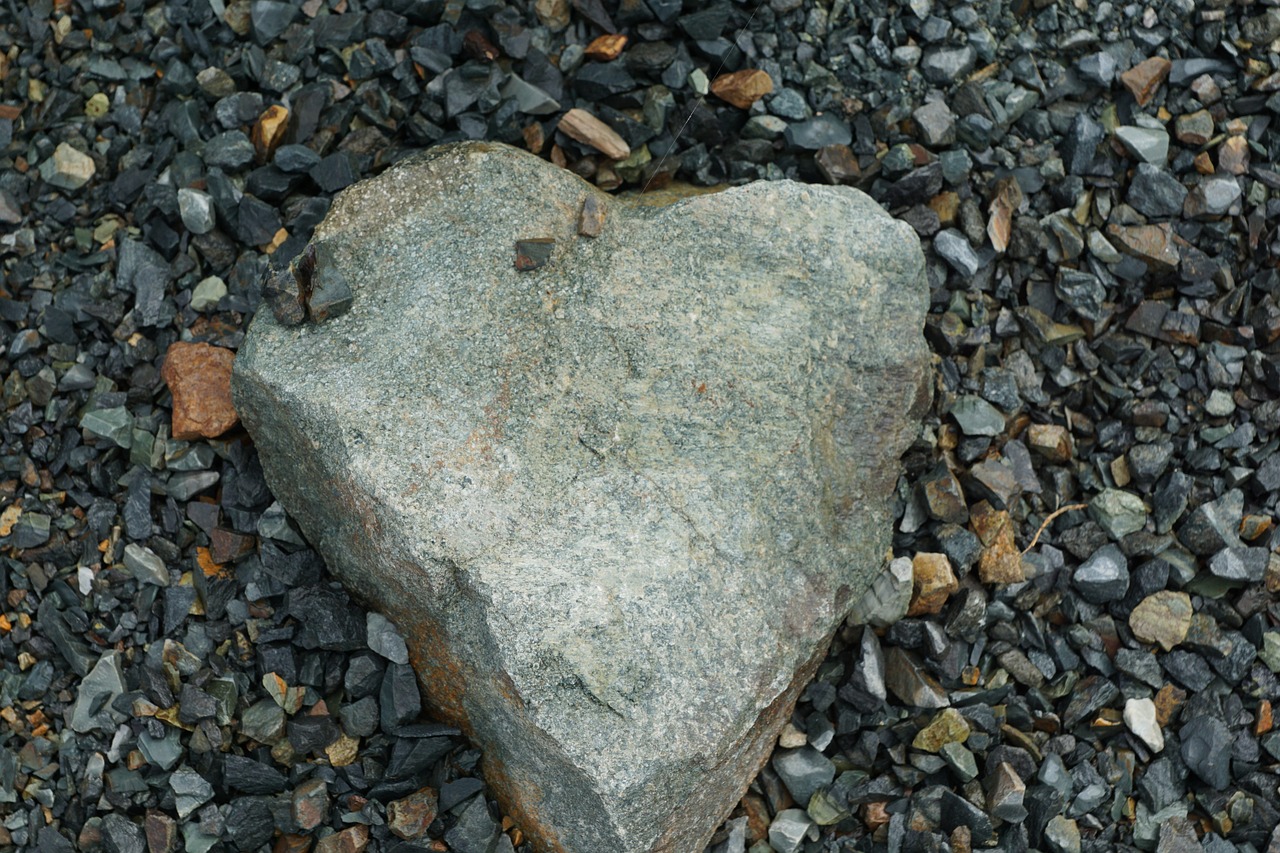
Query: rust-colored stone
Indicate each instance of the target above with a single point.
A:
(875, 814)
(408, 818)
(1152, 244)
(607, 47)
(932, 583)
(290, 843)
(1264, 722)
(1145, 78)
(757, 814)
(1051, 441)
(1253, 526)
(1168, 700)
(1233, 155)
(1005, 201)
(1001, 561)
(269, 130)
(310, 804)
(227, 546)
(742, 88)
(947, 206)
(837, 164)
(199, 377)
(352, 840)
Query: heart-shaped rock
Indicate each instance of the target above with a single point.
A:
(618, 491)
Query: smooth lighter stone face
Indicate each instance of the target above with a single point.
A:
(619, 503)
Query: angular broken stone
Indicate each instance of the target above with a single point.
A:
(568, 495)
(581, 125)
(199, 377)
(933, 582)
(908, 680)
(949, 726)
(1145, 78)
(283, 295)
(1140, 717)
(1163, 617)
(329, 293)
(67, 169)
(742, 88)
(887, 599)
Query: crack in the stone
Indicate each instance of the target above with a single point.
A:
(595, 698)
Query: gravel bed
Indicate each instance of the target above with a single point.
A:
(1079, 649)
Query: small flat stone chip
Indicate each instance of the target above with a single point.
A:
(591, 220)
(585, 128)
(199, 377)
(533, 253)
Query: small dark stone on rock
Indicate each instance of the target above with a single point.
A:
(533, 253)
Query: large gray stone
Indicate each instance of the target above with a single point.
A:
(618, 504)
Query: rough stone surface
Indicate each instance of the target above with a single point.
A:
(542, 477)
(199, 377)
(1163, 617)
(67, 169)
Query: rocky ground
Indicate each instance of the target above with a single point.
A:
(1086, 540)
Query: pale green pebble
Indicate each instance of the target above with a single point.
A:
(1270, 652)
(763, 127)
(1118, 512)
(114, 425)
(698, 81)
(143, 448)
(97, 106)
(196, 839)
(207, 293)
(632, 168)
(1219, 403)
(960, 760)
(1102, 249)
(824, 811)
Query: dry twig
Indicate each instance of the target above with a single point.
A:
(1049, 520)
